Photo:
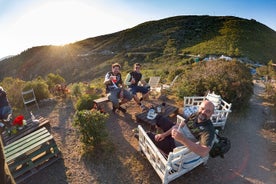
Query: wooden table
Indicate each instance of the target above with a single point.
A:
(27, 129)
(31, 153)
(168, 110)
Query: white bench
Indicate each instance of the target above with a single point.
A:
(178, 162)
(222, 108)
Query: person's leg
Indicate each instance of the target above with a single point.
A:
(127, 96)
(166, 145)
(164, 123)
(1, 112)
(134, 94)
(145, 92)
(113, 97)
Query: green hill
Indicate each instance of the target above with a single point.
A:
(153, 43)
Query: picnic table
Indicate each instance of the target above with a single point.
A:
(27, 129)
(168, 110)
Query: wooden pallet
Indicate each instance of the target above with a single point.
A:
(28, 128)
(31, 153)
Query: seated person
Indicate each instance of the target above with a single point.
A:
(115, 88)
(5, 108)
(132, 80)
(198, 128)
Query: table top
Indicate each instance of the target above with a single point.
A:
(27, 129)
(168, 110)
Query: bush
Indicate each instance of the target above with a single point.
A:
(53, 79)
(40, 88)
(76, 90)
(92, 127)
(13, 87)
(232, 80)
(85, 102)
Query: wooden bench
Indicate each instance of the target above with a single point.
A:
(31, 153)
(101, 100)
(178, 162)
(28, 128)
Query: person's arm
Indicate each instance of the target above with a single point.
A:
(142, 81)
(107, 79)
(127, 80)
(199, 149)
(160, 137)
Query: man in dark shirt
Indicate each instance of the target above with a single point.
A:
(133, 81)
(115, 88)
(198, 127)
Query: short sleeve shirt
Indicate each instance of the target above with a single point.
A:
(204, 132)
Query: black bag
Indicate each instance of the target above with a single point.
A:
(221, 147)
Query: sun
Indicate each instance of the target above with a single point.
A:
(59, 23)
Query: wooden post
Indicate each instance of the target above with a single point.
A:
(5, 174)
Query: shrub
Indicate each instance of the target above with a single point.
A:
(85, 102)
(92, 127)
(231, 80)
(76, 90)
(13, 87)
(40, 88)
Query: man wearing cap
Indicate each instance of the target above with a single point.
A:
(115, 89)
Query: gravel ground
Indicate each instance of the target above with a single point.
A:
(252, 158)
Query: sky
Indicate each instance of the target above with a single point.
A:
(28, 23)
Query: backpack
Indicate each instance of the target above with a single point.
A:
(221, 147)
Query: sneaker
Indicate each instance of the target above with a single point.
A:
(114, 109)
(136, 135)
(122, 109)
(143, 108)
(135, 130)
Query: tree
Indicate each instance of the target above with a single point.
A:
(232, 80)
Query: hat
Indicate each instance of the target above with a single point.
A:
(116, 64)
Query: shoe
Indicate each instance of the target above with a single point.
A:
(136, 135)
(114, 109)
(135, 130)
(143, 108)
(122, 109)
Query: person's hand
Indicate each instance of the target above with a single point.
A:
(132, 81)
(121, 94)
(176, 134)
(113, 78)
(182, 124)
(159, 137)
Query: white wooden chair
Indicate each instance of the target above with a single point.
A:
(154, 84)
(169, 86)
(29, 98)
(178, 162)
(222, 108)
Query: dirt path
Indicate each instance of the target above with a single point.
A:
(252, 158)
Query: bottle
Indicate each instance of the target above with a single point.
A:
(32, 116)
(159, 109)
(163, 108)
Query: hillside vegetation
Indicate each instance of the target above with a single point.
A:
(151, 43)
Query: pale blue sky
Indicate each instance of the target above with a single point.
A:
(28, 23)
